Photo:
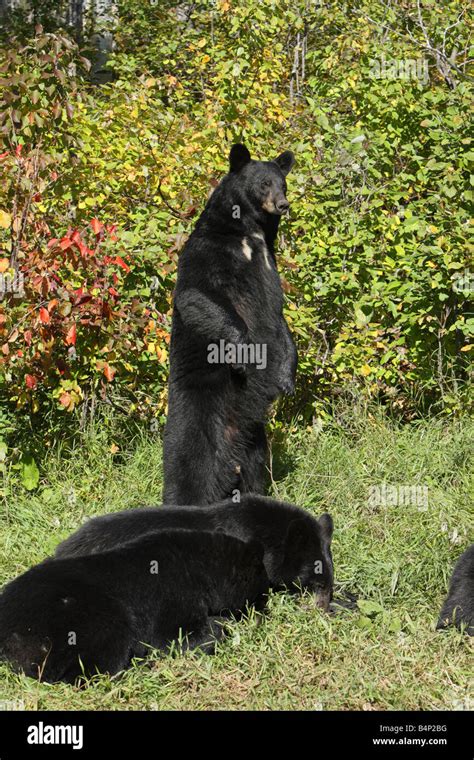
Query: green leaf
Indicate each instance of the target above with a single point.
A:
(29, 472)
(369, 608)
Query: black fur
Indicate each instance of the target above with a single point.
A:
(115, 605)
(458, 608)
(292, 539)
(215, 440)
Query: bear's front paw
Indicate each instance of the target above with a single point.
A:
(239, 369)
(287, 386)
(237, 355)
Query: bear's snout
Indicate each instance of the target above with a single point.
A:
(322, 598)
(282, 206)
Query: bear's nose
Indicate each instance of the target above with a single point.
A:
(282, 206)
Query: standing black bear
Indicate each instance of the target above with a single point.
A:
(91, 613)
(231, 353)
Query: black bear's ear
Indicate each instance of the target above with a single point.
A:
(327, 526)
(238, 157)
(285, 162)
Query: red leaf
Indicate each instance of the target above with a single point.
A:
(4, 155)
(52, 242)
(44, 287)
(44, 316)
(31, 381)
(76, 239)
(109, 372)
(65, 243)
(121, 263)
(71, 336)
(113, 292)
(65, 400)
(82, 299)
(97, 226)
(111, 229)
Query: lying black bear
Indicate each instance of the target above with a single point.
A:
(297, 546)
(104, 609)
(458, 608)
(231, 350)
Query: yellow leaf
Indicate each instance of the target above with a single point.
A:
(4, 265)
(468, 347)
(365, 370)
(162, 354)
(5, 219)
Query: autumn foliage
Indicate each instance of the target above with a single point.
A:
(102, 184)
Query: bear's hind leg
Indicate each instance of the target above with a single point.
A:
(207, 636)
(254, 465)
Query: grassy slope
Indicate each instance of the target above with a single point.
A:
(400, 557)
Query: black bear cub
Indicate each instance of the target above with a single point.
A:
(458, 608)
(297, 546)
(231, 351)
(95, 613)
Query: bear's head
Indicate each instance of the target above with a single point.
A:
(307, 562)
(262, 182)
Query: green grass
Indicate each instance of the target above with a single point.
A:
(383, 657)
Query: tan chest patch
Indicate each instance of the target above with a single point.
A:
(259, 236)
(246, 249)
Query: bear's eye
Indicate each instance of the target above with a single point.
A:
(266, 183)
